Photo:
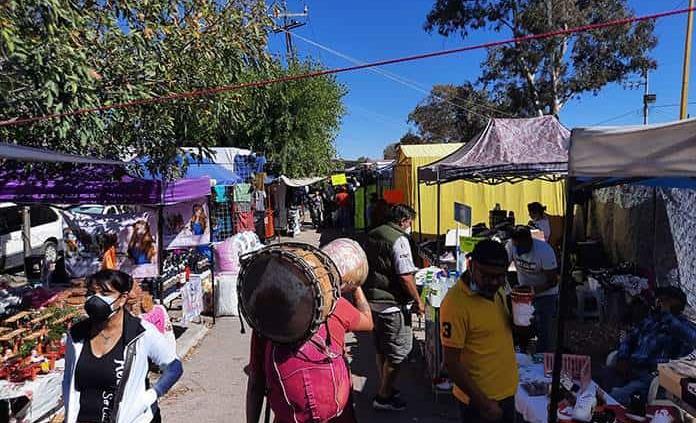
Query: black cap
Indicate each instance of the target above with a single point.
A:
(673, 292)
(521, 232)
(490, 253)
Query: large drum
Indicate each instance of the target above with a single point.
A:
(350, 259)
(286, 291)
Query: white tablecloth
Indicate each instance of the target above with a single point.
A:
(534, 409)
(44, 392)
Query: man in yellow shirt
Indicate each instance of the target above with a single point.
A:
(476, 333)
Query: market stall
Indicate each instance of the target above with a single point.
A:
(31, 338)
(285, 195)
(512, 162)
(657, 155)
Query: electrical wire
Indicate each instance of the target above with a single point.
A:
(617, 117)
(403, 80)
(227, 88)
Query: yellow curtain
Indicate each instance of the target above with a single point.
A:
(481, 197)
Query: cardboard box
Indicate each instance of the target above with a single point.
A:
(681, 387)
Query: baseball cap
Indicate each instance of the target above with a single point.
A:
(490, 253)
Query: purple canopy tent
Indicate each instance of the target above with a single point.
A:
(93, 184)
(508, 150)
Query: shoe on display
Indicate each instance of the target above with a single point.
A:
(662, 416)
(585, 405)
(389, 404)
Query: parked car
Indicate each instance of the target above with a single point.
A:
(46, 234)
(99, 209)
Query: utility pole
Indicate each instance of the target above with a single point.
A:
(647, 97)
(683, 112)
(285, 22)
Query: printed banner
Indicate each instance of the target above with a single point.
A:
(125, 242)
(192, 299)
(186, 225)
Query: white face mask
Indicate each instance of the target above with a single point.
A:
(408, 230)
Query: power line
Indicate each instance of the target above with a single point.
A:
(617, 117)
(404, 81)
(234, 87)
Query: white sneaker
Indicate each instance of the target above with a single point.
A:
(662, 416)
(585, 405)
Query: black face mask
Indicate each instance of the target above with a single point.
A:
(98, 309)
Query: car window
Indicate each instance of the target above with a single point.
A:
(10, 220)
(111, 210)
(41, 215)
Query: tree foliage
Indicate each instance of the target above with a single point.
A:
(453, 113)
(541, 76)
(63, 55)
(294, 123)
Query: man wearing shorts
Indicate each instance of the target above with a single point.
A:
(389, 288)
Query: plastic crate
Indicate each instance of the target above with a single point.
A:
(578, 367)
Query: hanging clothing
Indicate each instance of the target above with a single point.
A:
(220, 193)
(244, 221)
(242, 193)
(259, 200)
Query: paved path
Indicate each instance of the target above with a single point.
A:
(213, 386)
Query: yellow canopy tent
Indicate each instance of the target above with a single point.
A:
(481, 197)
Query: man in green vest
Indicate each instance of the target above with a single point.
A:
(390, 288)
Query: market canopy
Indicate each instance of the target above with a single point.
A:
(508, 150)
(299, 182)
(658, 155)
(30, 154)
(78, 183)
(202, 167)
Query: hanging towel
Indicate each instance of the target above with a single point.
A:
(242, 193)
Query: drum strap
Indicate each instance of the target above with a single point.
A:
(241, 319)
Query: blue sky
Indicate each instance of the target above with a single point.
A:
(378, 107)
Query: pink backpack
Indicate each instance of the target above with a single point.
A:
(309, 383)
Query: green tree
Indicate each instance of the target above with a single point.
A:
(541, 76)
(294, 123)
(62, 55)
(453, 114)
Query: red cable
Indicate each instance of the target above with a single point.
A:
(226, 88)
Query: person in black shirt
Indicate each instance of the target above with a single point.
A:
(106, 362)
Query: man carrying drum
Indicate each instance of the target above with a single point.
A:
(309, 379)
(390, 287)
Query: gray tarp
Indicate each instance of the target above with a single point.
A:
(30, 154)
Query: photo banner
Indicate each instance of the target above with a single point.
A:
(186, 224)
(126, 242)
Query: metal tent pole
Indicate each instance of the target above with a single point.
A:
(420, 219)
(212, 253)
(437, 240)
(562, 300)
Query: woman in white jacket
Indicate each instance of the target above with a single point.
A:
(106, 362)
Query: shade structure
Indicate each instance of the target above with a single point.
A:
(661, 155)
(665, 154)
(508, 150)
(30, 154)
(202, 167)
(75, 183)
(299, 182)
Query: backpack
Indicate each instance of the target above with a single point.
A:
(307, 383)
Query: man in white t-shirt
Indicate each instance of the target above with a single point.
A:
(537, 268)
